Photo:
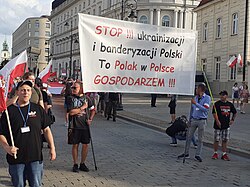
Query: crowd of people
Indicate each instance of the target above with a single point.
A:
(25, 125)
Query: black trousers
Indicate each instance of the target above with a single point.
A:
(153, 99)
(112, 105)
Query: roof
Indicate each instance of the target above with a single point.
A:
(203, 2)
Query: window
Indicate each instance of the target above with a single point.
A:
(100, 10)
(218, 28)
(47, 25)
(71, 12)
(80, 7)
(29, 26)
(47, 33)
(88, 2)
(217, 68)
(36, 42)
(235, 24)
(166, 21)
(232, 71)
(83, 4)
(29, 42)
(205, 31)
(36, 33)
(37, 24)
(204, 64)
(29, 34)
(93, 11)
(143, 19)
(75, 10)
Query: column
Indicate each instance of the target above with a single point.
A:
(181, 20)
(151, 11)
(158, 17)
(175, 18)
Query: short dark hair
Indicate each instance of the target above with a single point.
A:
(202, 87)
(27, 74)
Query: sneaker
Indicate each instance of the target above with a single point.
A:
(242, 112)
(195, 146)
(75, 168)
(225, 157)
(182, 155)
(215, 156)
(83, 167)
(173, 144)
(198, 158)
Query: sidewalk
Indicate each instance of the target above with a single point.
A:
(137, 109)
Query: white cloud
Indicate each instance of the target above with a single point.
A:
(14, 12)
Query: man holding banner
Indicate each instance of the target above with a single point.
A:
(26, 121)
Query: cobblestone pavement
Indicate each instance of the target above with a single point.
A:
(131, 155)
(137, 107)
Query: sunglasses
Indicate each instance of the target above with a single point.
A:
(73, 87)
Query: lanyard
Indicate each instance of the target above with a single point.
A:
(25, 121)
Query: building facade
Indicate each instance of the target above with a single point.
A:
(33, 35)
(64, 20)
(221, 27)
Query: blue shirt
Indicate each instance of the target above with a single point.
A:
(201, 108)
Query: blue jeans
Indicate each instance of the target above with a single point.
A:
(32, 171)
(179, 137)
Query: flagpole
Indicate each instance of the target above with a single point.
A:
(11, 135)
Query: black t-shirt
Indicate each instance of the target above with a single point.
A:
(79, 121)
(45, 96)
(224, 110)
(29, 143)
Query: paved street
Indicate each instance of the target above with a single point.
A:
(137, 107)
(131, 155)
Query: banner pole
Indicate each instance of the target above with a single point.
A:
(11, 135)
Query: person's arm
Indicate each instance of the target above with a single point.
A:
(11, 150)
(79, 110)
(205, 107)
(217, 119)
(49, 137)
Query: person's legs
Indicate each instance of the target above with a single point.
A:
(75, 153)
(34, 172)
(201, 128)
(16, 172)
(84, 152)
(114, 110)
(191, 131)
(224, 146)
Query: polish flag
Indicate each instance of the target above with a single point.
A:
(45, 74)
(14, 68)
(239, 60)
(232, 61)
(2, 96)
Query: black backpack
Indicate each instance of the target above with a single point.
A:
(179, 125)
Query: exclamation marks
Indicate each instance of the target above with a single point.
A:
(171, 83)
(130, 34)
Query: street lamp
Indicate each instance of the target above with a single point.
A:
(132, 5)
(71, 46)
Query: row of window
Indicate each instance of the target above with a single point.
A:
(165, 21)
(232, 74)
(37, 34)
(37, 25)
(219, 27)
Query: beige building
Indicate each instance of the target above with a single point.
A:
(221, 26)
(33, 34)
(64, 39)
(64, 21)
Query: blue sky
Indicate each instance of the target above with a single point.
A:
(14, 12)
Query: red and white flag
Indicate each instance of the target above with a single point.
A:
(2, 97)
(45, 74)
(14, 68)
(239, 60)
(232, 61)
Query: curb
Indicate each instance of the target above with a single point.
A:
(231, 150)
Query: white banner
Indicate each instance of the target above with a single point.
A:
(121, 56)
